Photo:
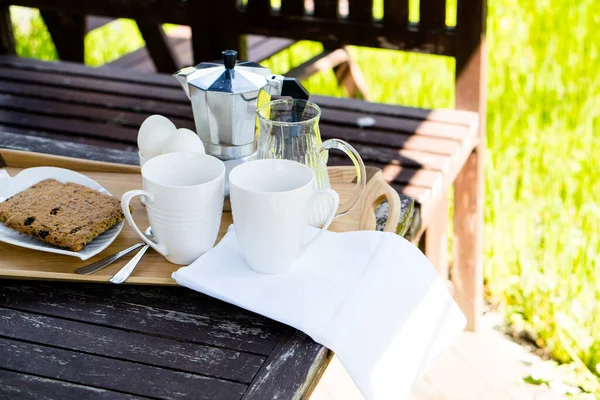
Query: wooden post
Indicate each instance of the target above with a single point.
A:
(67, 31)
(214, 29)
(158, 46)
(471, 62)
(7, 38)
(434, 242)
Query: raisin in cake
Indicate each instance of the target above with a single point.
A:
(63, 214)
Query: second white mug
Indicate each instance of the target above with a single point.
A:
(271, 202)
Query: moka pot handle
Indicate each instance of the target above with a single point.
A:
(291, 87)
(279, 85)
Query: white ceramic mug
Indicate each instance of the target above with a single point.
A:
(271, 201)
(143, 158)
(184, 202)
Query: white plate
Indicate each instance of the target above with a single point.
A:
(10, 186)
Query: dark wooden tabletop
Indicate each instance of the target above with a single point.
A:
(77, 341)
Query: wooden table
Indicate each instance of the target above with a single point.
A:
(72, 341)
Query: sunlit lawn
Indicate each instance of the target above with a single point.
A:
(542, 210)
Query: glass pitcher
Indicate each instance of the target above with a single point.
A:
(289, 129)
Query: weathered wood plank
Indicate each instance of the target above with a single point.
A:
(66, 145)
(409, 158)
(129, 346)
(173, 298)
(100, 100)
(12, 138)
(112, 374)
(132, 119)
(202, 329)
(459, 117)
(16, 385)
(74, 127)
(291, 369)
(367, 121)
(391, 139)
(91, 86)
(400, 173)
(76, 69)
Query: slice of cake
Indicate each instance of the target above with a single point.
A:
(64, 214)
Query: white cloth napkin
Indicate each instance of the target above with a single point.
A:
(371, 297)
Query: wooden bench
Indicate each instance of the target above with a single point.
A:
(164, 53)
(423, 152)
(259, 49)
(179, 42)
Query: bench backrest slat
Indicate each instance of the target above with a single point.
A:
(395, 13)
(360, 10)
(292, 7)
(257, 7)
(432, 15)
(353, 22)
(326, 9)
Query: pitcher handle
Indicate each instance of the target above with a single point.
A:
(361, 173)
(334, 202)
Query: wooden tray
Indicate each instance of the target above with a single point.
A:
(19, 263)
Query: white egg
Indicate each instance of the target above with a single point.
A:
(154, 132)
(185, 141)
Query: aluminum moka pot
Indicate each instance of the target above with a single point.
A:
(225, 95)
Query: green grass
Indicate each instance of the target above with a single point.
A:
(542, 214)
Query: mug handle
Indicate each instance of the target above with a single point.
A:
(125, 200)
(361, 173)
(334, 203)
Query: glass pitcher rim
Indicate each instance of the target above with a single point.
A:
(283, 123)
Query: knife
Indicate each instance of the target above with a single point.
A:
(105, 262)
